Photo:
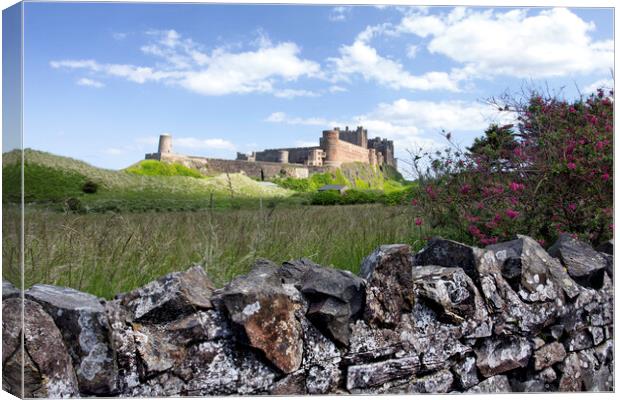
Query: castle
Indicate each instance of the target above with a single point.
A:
(335, 148)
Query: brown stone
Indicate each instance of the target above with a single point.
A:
(548, 355)
(266, 311)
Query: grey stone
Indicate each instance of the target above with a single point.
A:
(547, 375)
(321, 361)
(449, 254)
(453, 293)
(83, 323)
(335, 297)
(466, 372)
(9, 291)
(375, 374)
(582, 262)
(292, 384)
(48, 371)
(178, 293)
(494, 384)
(571, 379)
(578, 340)
(437, 382)
(221, 368)
(498, 355)
(531, 271)
(548, 355)
(606, 247)
(389, 291)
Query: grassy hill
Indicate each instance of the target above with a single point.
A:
(51, 180)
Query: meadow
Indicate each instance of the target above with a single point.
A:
(108, 253)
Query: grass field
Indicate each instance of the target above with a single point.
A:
(160, 218)
(109, 253)
(51, 179)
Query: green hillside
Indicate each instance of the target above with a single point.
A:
(51, 180)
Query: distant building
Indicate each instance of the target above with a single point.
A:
(335, 148)
(340, 188)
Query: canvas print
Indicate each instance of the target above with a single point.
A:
(260, 199)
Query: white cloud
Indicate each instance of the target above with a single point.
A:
(339, 14)
(90, 82)
(203, 144)
(280, 117)
(362, 59)
(412, 124)
(553, 42)
(600, 84)
(113, 151)
(337, 89)
(304, 143)
(292, 93)
(119, 35)
(220, 72)
(412, 51)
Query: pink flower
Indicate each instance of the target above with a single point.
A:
(465, 189)
(487, 241)
(605, 176)
(518, 152)
(572, 206)
(600, 145)
(611, 227)
(431, 192)
(414, 202)
(571, 165)
(512, 214)
(572, 110)
(419, 221)
(515, 187)
(541, 242)
(473, 229)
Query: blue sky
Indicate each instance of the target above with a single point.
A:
(103, 80)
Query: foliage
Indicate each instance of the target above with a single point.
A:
(158, 168)
(41, 183)
(90, 187)
(551, 174)
(50, 180)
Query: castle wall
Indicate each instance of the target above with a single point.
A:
(258, 169)
(296, 155)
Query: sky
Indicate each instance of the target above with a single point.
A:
(102, 81)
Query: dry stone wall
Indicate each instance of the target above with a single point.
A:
(451, 318)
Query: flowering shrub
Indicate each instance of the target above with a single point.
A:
(551, 173)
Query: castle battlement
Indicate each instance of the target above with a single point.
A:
(336, 146)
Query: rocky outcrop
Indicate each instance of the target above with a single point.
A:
(451, 318)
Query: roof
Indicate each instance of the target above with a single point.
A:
(333, 187)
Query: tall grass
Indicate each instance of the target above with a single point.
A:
(109, 253)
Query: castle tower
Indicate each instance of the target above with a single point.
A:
(329, 144)
(165, 143)
(283, 156)
(372, 156)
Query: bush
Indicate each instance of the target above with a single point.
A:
(550, 174)
(90, 187)
(74, 205)
(326, 198)
(158, 168)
